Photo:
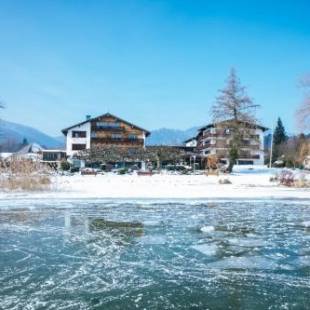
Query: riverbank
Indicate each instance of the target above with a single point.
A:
(244, 184)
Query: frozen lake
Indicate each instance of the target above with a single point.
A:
(93, 254)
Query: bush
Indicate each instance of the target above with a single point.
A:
(65, 166)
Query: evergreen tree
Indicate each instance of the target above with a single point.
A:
(25, 142)
(279, 138)
(279, 135)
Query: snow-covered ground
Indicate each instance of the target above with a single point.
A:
(245, 183)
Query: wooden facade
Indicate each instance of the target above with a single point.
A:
(104, 131)
(110, 130)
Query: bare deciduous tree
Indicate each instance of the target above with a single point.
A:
(303, 113)
(234, 105)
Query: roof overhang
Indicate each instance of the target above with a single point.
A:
(65, 131)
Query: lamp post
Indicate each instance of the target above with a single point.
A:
(271, 148)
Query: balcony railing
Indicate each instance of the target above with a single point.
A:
(107, 128)
(107, 140)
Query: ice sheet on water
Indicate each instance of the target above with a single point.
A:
(106, 250)
(153, 240)
(247, 242)
(152, 223)
(301, 262)
(207, 229)
(306, 224)
(251, 262)
(206, 249)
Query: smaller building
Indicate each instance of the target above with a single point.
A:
(215, 138)
(53, 157)
(31, 151)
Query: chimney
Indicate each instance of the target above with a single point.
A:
(88, 117)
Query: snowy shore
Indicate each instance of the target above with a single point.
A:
(244, 184)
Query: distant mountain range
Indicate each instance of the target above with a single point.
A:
(13, 133)
(165, 136)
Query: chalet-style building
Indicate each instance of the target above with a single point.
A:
(214, 139)
(103, 130)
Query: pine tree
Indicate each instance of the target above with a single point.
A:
(235, 105)
(279, 135)
(25, 142)
(279, 138)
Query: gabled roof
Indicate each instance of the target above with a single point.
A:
(31, 148)
(230, 120)
(65, 131)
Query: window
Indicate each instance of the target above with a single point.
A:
(93, 134)
(78, 146)
(227, 131)
(108, 124)
(116, 136)
(213, 130)
(78, 134)
(132, 137)
(50, 156)
(245, 162)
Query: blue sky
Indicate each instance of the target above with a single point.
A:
(155, 63)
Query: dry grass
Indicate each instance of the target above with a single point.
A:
(32, 183)
(302, 183)
(25, 175)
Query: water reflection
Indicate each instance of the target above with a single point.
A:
(91, 225)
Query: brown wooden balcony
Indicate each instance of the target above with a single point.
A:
(117, 141)
(95, 128)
